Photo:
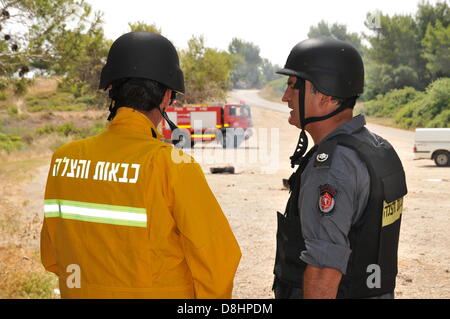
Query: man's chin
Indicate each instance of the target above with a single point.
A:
(293, 123)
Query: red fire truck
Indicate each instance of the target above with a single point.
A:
(228, 124)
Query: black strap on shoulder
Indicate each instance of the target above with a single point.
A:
(295, 178)
(325, 153)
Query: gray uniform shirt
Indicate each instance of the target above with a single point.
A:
(347, 183)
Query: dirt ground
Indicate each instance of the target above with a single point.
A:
(251, 197)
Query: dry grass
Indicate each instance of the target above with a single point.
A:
(21, 174)
(21, 273)
(43, 86)
(22, 276)
(270, 94)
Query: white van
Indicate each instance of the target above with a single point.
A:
(433, 143)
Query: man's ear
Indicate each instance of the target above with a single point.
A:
(166, 99)
(325, 99)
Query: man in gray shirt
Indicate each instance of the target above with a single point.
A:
(329, 234)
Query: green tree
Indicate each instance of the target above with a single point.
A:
(436, 50)
(430, 14)
(337, 31)
(206, 72)
(62, 37)
(142, 26)
(247, 63)
(83, 59)
(394, 58)
(407, 50)
(269, 70)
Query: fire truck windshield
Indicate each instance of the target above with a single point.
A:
(242, 111)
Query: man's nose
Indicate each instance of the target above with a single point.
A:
(286, 96)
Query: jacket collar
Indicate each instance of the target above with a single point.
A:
(130, 120)
(350, 127)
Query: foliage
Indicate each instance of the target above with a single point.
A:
(274, 89)
(69, 129)
(12, 110)
(247, 61)
(250, 70)
(407, 50)
(10, 143)
(82, 66)
(436, 45)
(442, 120)
(337, 31)
(36, 285)
(142, 26)
(206, 72)
(411, 108)
(269, 70)
(57, 101)
(59, 37)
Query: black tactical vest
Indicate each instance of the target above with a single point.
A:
(373, 238)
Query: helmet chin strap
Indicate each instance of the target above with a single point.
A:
(302, 144)
(172, 125)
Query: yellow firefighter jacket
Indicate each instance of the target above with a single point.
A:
(127, 216)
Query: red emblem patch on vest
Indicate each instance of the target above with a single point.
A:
(327, 199)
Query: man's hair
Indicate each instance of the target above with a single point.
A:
(338, 100)
(140, 94)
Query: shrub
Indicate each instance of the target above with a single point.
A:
(412, 108)
(67, 129)
(437, 98)
(56, 101)
(442, 120)
(47, 129)
(38, 285)
(12, 110)
(389, 104)
(10, 143)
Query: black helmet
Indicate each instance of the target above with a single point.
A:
(144, 55)
(333, 66)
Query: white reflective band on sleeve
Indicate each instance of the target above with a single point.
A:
(96, 213)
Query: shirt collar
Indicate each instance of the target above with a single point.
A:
(350, 127)
(130, 120)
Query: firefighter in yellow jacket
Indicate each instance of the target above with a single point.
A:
(124, 217)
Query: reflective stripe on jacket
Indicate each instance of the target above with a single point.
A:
(136, 222)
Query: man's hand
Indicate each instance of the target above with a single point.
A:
(321, 283)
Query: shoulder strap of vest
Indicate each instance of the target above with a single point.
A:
(382, 162)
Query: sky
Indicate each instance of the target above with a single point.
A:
(275, 25)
